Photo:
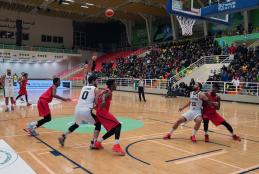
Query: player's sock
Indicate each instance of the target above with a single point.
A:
(172, 130)
(194, 132)
(117, 142)
(206, 133)
(34, 124)
(100, 140)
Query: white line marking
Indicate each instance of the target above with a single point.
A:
(20, 135)
(200, 157)
(132, 138)
(172, 147)
(43, 153)
(41, 163)
(240, 171)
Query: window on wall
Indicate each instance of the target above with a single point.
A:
(7, 34)
(80, 39)
(60, 39)
(48, 38)
(25, 36)
(43, 38)
(55, 39)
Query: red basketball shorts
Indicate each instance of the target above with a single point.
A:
(43, 108)
(215, 118)
(106, 119)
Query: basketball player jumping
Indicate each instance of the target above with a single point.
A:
(7, 81)
(89, 67)
(83, 111)
(23, 91)
(194, 113)
(43, 107)
(110, 123)
(210, 114)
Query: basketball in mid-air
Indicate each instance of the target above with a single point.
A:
(109, 12)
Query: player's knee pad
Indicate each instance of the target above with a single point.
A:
(98, 126)
(73, 127)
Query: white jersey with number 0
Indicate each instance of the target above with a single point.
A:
(87, 96)
(196, 102)
(8, 81)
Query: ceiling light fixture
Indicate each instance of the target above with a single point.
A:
(84, 6)
(90, 4)
(65, 3)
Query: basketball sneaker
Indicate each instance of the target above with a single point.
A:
(98, 145)
(61, 140)
(236, 138)
(118, 150)
(207, 139)
(29, 104)
(31, 130)
(92, 145)
(167, 136)
(193, 138)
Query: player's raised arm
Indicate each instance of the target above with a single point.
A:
(203, 97)
(54, 94)
(104, 97)
(96, 96)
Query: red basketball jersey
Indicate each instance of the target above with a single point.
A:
(207, 108)
(108, 99)
(47, 95)
(24, 84)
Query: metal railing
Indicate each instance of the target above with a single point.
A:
(244, 88)
(70, 71)
(213, 59)
(40, 49)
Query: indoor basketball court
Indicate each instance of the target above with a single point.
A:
(82, 42)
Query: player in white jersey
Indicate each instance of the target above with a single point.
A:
(194, 113)
(83, 111)
(8, 81)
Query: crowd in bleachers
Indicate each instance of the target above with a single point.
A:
(162, 61)
(244, 67)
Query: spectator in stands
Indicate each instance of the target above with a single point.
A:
(250, 28)
(225, 49)
(235, 82)
(15, 79)
(240, 29)
(165, 59)
(192, 83)
(232, 49)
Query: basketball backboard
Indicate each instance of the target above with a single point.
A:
(192, 8)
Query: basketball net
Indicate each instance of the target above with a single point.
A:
(186, 25)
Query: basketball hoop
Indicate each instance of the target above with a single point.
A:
(186, 25)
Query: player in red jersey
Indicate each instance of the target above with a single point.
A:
(109, 122)
(210, 114)
(23, 91)
(43, 106)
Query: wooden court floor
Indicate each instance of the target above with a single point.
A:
(147, 152)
